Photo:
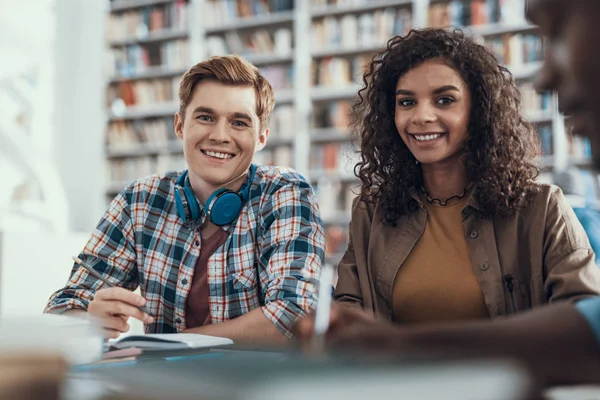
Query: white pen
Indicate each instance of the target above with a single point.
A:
(323, 308)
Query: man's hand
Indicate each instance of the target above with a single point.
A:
(353, 330)
(113, 307)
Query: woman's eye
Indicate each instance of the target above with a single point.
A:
(446, 100)
(406, 103)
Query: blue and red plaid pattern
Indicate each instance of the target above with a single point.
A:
(272, 258)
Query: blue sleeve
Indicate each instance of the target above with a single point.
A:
(590, 309)
(590, 220)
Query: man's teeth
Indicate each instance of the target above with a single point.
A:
(424, 138)
(218, 155)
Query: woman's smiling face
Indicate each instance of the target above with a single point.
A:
(432, 111)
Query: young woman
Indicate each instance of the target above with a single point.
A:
(449, 223)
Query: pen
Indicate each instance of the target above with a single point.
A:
(97, 275)
(323, 308)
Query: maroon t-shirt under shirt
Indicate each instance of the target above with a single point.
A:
(197, 308)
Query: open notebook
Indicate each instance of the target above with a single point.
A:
(169, 341)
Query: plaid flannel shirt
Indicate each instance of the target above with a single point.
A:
(271, 259)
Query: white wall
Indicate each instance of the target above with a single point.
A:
(79, 114)
(32, 267)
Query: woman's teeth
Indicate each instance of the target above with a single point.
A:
(424, 138)
(222, 156)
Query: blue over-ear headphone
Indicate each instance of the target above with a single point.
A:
(222, 207)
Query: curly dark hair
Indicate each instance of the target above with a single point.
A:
(500, 147)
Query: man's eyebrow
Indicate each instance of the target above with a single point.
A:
(203, 109)
(241, 115)
(441, 89)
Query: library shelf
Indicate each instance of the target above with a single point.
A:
(327, 93)
(525, 71)
(266, 59)
(344, 177)
(539, 117)
(500, 28)
(145, 149)
(339, 218)
(147, 111)
(153, 72)
(331, 10)
(162, 35)
(328, 135)
(263, 21)
(277, 142)
(113, 188)
(347, 51)
(124, 5)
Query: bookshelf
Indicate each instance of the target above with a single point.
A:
(313, 52)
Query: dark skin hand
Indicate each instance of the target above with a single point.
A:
(537, 339)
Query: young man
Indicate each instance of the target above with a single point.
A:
(225, 248)
(559, 343)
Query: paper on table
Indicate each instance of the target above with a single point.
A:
(170, 341)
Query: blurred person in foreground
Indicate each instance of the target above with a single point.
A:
(559, 343)
(576, 187)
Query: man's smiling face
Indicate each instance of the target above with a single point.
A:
(221, 132)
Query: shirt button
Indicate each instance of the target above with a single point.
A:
(197, 243)
(178, 320)
(474, 234)
(484, 267)
(184, 281)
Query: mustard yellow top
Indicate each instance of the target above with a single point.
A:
(437, 282)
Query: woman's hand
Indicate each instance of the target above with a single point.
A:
(351, 330)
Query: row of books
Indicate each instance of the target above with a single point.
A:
(579, 147)
(280, 155)
(129, 134)
(143, 92)
(461, 13)
(339, 71)
(335, 204)
(320, 3)
(511, 49)
(122, 135)
(335, 114)
(516, 49)
(130, 169)
(280, 76)
(531, 100)
(261, 41)
(336, 243)
(335, 197)
(546, 139)
(338, 156)
(368, 29)
(135, 59)
(139, 23)
(218, 12)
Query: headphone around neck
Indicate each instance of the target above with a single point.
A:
(222, 207)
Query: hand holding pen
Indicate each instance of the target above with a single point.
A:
(337, 326)
(114, 305)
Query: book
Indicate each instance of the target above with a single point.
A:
(169, 341)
